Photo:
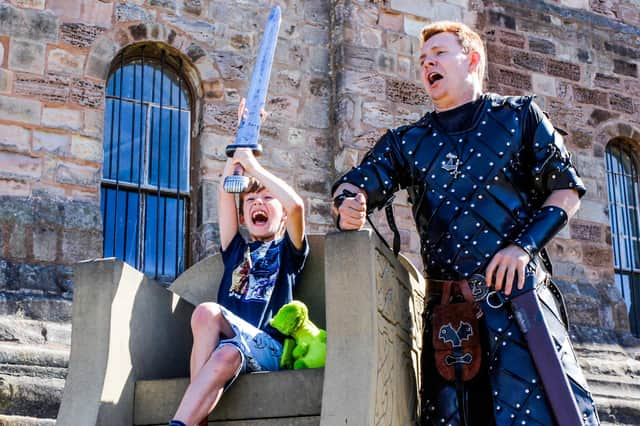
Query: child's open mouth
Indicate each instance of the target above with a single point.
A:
(259, 218)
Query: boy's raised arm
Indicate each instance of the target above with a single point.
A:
(227, 211)
(291, 201)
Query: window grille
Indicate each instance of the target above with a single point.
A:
(145, 181)
(622, 185)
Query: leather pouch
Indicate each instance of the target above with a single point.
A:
(456, 335)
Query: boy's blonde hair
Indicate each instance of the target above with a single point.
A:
(469, 40)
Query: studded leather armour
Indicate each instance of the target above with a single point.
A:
(472, 192)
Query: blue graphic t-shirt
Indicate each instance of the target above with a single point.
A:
(259, 278)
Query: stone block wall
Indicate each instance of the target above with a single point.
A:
(345, 71)
(55, 57)
(579, 58)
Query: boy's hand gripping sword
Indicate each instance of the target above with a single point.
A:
(249, 129)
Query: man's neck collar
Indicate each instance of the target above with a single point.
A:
(471, 97)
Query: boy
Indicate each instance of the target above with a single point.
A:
(233, 335)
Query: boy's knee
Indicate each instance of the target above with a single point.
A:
(206, 316)
(228, 356)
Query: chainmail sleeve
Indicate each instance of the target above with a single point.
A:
(381, 173)
(552, 166)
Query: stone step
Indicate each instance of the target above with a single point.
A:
(25, 421)
(35, 306)
(30, 396)
(49, 355)
(618, 411)
(627, 388)
(22, 330)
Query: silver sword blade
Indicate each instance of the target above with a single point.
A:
(249, 128)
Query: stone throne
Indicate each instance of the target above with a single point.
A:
(131, 341)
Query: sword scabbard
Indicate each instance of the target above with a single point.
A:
(530, 319)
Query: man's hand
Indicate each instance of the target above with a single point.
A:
(352, 213)
(505, 266)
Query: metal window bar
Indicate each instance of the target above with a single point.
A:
(178, 182)
(623, 183)
(115, 227)
(139, 233)
(140, 189)
(159, 162)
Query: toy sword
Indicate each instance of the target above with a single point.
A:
(249, 129)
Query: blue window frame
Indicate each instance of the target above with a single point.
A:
(622, 185)
(145, 181)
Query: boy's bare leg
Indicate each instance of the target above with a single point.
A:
(207, 325)
(206, 387)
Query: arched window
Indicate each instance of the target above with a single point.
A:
(622, 184)
(145, 180)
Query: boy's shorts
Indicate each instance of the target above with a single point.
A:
(259, 351)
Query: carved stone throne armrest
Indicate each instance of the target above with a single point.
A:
(127, 327)
(374, 333)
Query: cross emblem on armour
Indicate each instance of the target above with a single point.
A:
(452, 165)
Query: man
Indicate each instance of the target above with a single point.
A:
(490, 183)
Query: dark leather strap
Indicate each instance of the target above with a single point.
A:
(392, 225)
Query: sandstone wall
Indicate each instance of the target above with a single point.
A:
(345, 71)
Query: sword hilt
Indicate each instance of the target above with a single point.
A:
(237, 182)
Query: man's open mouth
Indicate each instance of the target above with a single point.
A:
(259, 217)
(433, 77)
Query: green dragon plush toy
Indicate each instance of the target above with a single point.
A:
(308, 348)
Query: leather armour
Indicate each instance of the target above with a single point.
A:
(472, 191)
